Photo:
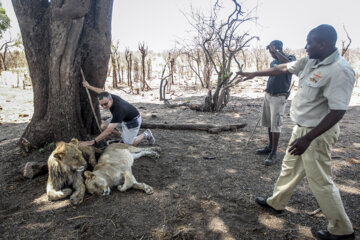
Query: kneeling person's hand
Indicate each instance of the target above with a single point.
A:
(86, 143)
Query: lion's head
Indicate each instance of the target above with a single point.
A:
(95, 184)
(69, 156)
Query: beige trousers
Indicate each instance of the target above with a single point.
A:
(315, 164)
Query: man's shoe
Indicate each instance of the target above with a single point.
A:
(324, 234)
(149, 136)
(271, 159)
(264, 151)
(262, 202)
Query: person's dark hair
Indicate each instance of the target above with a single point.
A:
(104, 95)
(325, 33)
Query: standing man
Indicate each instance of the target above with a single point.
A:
(326, 81)
(124, 115)
(277, 89)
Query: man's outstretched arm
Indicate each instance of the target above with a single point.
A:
(95, 89)
(280, 69)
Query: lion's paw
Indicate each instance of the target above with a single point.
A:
(155, 155)
(76, 200)
(156, 149)
(148, 189)
(122, 188)
(66, 191)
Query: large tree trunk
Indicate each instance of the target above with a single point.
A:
(60, 37)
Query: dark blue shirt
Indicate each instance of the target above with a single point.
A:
(121, 110)
(279, 84)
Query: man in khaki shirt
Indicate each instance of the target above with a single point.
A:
(326, 82)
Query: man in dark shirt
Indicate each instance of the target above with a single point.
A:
(123, 114)
(277, 89)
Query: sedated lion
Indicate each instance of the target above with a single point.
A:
(114, 165)
(66, 164)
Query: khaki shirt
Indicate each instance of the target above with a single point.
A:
(323, 86)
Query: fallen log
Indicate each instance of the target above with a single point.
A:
(198, 127)
(196, 107)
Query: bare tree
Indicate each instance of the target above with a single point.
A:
(136, 70)
(121, 72)
(170, 60)
(5, 47)
(344, 50)
(199, 63)
(172, 69)
(114, 68)
(164, 81)
(213, 32)
(59, 38)
(128, 58)
(144, 52)
(115, 63)
(261, 57)
(167, 74)
(149, 68)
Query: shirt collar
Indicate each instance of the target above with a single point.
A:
(329, 60)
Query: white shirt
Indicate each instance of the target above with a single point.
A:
(323, 86)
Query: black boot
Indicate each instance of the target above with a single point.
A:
(271, 159)
(264, 151)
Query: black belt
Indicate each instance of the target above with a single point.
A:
(133, 118)
(277, 94)
(133, 123)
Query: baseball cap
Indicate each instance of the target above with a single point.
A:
(276, 43)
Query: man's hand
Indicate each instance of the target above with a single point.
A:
(299, 146)
(247, 75)
(272, 49)
(85, 84)
(86, 143)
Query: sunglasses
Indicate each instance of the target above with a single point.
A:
(105, 104)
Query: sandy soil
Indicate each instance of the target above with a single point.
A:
(205, 184)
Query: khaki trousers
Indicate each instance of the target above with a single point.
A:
(273, 112)
(315, 164)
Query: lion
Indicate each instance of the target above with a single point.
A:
(66, 165)
(114, 165)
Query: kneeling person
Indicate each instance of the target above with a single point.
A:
(124, 115)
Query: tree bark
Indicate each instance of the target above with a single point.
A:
(60, 37)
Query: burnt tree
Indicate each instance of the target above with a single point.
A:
(60, 37)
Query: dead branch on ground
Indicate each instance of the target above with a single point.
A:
(197, 127)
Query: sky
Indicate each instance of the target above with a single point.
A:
(159, 23)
